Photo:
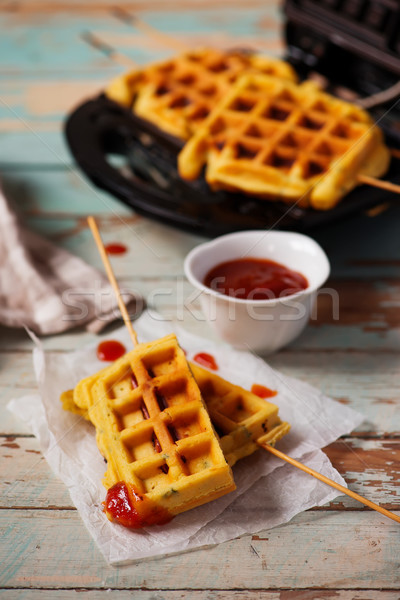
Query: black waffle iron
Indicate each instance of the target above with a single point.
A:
(353, 44)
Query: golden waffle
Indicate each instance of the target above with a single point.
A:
(242, 419)
(154, 431)
(275, 139)
(178, 94)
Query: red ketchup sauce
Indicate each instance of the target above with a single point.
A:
(115, 249)
(206, 360)
(262, 391)
(254, 279)
(125, 506)
(110, 350)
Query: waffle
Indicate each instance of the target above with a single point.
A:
(178, 94)
(274, 139)
(154, 431)
(242, 419)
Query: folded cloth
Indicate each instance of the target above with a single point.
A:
(46, 288)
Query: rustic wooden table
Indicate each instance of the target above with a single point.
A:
(341, 550)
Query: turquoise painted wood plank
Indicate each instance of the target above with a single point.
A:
(351, 550)
(55, 194)
(60, 6)
(35, 101)
(358, 379)
(26, 149)
(370, 467)
(27, 480)
(172, 299)
(33, 112)
(356, 315)
(30, 594)
(52, 43)
(39, 105)
(49, 197)
(363, 246)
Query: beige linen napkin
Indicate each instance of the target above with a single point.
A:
(46, 288)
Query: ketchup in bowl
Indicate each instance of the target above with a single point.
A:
(254, 279)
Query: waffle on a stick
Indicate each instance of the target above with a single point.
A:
(243, 420)
(274, 139)
(179, 93)
(153, 429)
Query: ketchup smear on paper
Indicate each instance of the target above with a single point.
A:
(206, 360)
(110, 350)
(262, 391)
(116, 249)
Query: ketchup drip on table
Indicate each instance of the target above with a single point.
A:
(110, 350)
(206, 360)
(262, 391)
(254, 279)
(115, 249)
(128, 508)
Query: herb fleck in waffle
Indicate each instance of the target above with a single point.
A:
(155, 433)
(178, 94)
(274, 139)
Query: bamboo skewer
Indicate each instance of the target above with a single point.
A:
(163, 38)
(111, 277)
(109, 51)
(330, 482)
(379, 183)
(395, 152)
(268, 447)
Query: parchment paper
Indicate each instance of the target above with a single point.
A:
(268, 493)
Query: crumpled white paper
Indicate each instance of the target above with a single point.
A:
(268, 493)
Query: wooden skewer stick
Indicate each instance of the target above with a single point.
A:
(330, 482)
(159, 36)
(111, 277)
(109, 51)
(379, 183)
(395, 152)
(271, 449)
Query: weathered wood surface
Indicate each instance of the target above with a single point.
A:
(336, 549)
(340, 551)
(207, 595)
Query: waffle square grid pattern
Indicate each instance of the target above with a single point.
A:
(178, 94)
(153, 428)
(274, 139)
(163, 440)
(244, 421)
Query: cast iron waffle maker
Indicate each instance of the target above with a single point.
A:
(136, 162)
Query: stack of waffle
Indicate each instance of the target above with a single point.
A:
(177, 95)
(155, 431)
(257, 131)
(275, 139)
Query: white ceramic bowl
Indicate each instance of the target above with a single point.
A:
(260, 325)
